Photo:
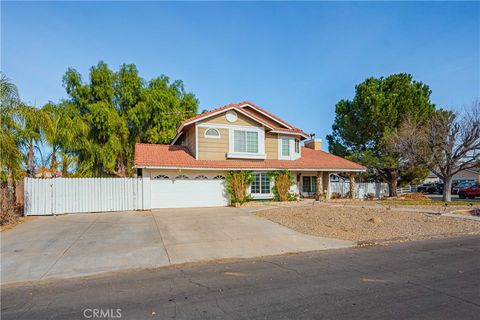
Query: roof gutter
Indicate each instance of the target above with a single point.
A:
(250, 169)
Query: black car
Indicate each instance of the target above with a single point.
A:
(431, 188)
(424, 187)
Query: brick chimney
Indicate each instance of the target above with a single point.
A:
(315, 144)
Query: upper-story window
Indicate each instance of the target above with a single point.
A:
(288, 148)
(212, 133)
(245, 141)
(285, 147)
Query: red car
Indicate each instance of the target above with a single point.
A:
(470, 192)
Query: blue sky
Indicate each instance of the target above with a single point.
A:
(294, 59)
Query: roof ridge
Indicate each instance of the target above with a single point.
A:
(267, 112)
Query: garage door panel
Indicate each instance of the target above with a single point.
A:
(188, 193)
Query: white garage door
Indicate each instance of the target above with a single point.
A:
(188, 193)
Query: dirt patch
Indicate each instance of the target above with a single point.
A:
(12, 224)
(416, 196)
(469, 212)
(367, 224)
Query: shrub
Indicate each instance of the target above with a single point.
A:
(9, 215)
(369, 196)
(336, 195)
(281, 189)
(237, 183)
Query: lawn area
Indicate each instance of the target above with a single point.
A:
(368, 224)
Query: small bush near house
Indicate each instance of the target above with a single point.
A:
(281, 189)
(237, 184)
(369, 196)
(336, 195)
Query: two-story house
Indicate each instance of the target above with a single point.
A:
(190, 171)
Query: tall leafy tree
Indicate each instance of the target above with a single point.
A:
(364, 125)
(121, 109)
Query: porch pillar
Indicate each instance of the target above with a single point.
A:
(326, 185)
(299, 184)
(319, 193)
(353, 187)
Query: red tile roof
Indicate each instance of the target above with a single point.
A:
(168, 156)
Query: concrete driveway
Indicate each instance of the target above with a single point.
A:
(81, 244)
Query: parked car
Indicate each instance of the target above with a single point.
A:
(437, 188)
(470, 192)
(461, 185)
(424, 187)
(431, 188)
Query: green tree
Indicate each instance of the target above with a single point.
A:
(121, 109)
(363, 126)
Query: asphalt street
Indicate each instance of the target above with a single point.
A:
(435, 279)
(438, 197)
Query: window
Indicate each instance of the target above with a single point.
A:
(201, 177)
(212, 133)
(285, 147)
(297, 146)
(161, 177)
(261, 184)
(245, 141)
(219, 178)
(309, 184)
(181, 177)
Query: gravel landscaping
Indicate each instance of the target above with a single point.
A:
(367, 224)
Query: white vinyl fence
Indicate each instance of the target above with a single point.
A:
(71, 195)
(407, 189)
(363, 189)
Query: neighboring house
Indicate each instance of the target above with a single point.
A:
(470, 175)
(190, 170)
(44, 172)
(431, 178)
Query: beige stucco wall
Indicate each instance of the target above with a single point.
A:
(241, 121)
(211, 148)
(271, 145)
(216, 149)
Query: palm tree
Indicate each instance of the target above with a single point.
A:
(33, 122)
(11, 110)
(65, 132)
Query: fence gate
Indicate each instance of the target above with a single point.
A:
(72, 195)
